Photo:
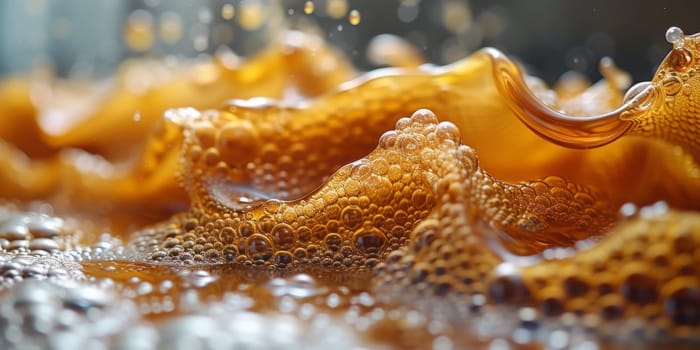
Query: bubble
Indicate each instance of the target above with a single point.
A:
(508, 286)
(201, 42)
(138, 31)
(283, 258)
(14, 230)
(611, 310)
(251, 15)
(672, 86)
(45, 244)
(635, 91)
(352, 217)
(337, 8)
(259, 248)
(309, 7)
(407, 11)
(170, 27)
(674, 35)
(380, 166)
(272, 206)
(639, 288)
(369, 240)
(379, 189)
(333, 241)
(230, 252)
(388, 139)
(407, 143)
(448, 131)
(423, 117)
(456, 16)
(265, 224)
(354, 18)
(352, 187)
(683, 306)
(283, 236)
(246, 229)
(304, 234)
(227, 11)
(679, 59)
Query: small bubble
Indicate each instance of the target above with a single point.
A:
(170, 28)
(251, 15)
(201, 42)
(674, 35)
(456, 17)
(559, 339)
(337, 8)
(407, 12)
(443, 343)
(354, 17)
(333, 300)
(144, 288)
(138, 31)
(227, 11)
(309, 7)
(628, 209)
(672, 86)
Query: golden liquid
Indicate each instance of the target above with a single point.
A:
(408, 229)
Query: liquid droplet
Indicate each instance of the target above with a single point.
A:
(138, 31)
(227, 11)
(354, 17)
(337, 8)
(674, 35)
(251, 15)
(309, 7)
(680, 59)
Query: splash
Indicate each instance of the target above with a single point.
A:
(662, 108)
(288, 180)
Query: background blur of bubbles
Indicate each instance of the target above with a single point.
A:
(89, 38)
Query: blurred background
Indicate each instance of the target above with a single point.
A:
(90, 37)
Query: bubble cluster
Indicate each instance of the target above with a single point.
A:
(364, 210)
(675, 117)
(348, 182)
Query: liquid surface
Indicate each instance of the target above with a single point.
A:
(408, 207)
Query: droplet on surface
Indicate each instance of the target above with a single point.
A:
(309, 7)
(354, 17)
(674, 35)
